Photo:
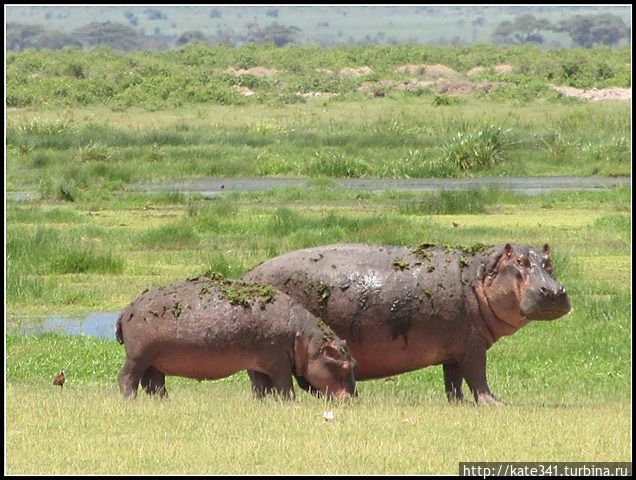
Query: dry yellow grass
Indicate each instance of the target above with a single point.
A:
(218, 428)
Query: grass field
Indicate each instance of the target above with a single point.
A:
(219, 429)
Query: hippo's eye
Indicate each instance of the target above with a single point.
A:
(547, 266)
(523, 262)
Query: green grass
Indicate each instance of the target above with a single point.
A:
(219, 428)
(72, 155)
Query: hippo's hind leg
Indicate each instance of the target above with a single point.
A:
(261, 383)
(154, 382)
(129, 377)
(453, 379)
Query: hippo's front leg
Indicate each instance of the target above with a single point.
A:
(261, 383)
(473, 369)
(453, 379)
(306, 386)
(282, 383)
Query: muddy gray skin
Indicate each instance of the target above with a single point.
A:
(208, 328)
(402, 309)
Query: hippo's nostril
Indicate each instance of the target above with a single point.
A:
(544, 291)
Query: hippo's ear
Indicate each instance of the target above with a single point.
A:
(546, 249)
(508, 250)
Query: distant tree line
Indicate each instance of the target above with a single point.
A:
(585, 31)
(126, 38)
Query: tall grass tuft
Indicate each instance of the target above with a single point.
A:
(93, 152)
(226, 265)
(336, 164)
(83, 261)
(474, 150)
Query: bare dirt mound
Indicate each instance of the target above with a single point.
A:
(595, 94)
(503, 68)
(465, 87)
(403, 85)
(245, 91)
(317, 94)
(427, 71)
(256, 71)
(473, 72)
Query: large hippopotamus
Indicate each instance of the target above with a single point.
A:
(208, 328)
(402, 309)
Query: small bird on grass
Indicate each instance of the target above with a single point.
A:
(59, 379)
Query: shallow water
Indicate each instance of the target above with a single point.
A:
(209, 187)
(100, 325)
(527, 185)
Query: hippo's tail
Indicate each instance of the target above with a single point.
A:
(118, 333)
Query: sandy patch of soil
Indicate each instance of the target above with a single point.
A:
(317, 94)
(465, 87)
(595, 94)
(503, 68)
(473, 72)
(245, 91)
(356, 72)
(256, 71)
(408, 85)
(427, 71)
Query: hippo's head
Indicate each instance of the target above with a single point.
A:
(519, 286)
(327, 366)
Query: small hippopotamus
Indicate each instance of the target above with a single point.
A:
(402, 309)
(208, 328)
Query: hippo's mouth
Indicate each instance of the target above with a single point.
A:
(547, 313)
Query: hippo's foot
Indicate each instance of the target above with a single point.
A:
(488, 399)
(154, 383)
(455, 399)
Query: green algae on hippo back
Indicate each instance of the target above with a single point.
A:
(449, 306)
(236, 291)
